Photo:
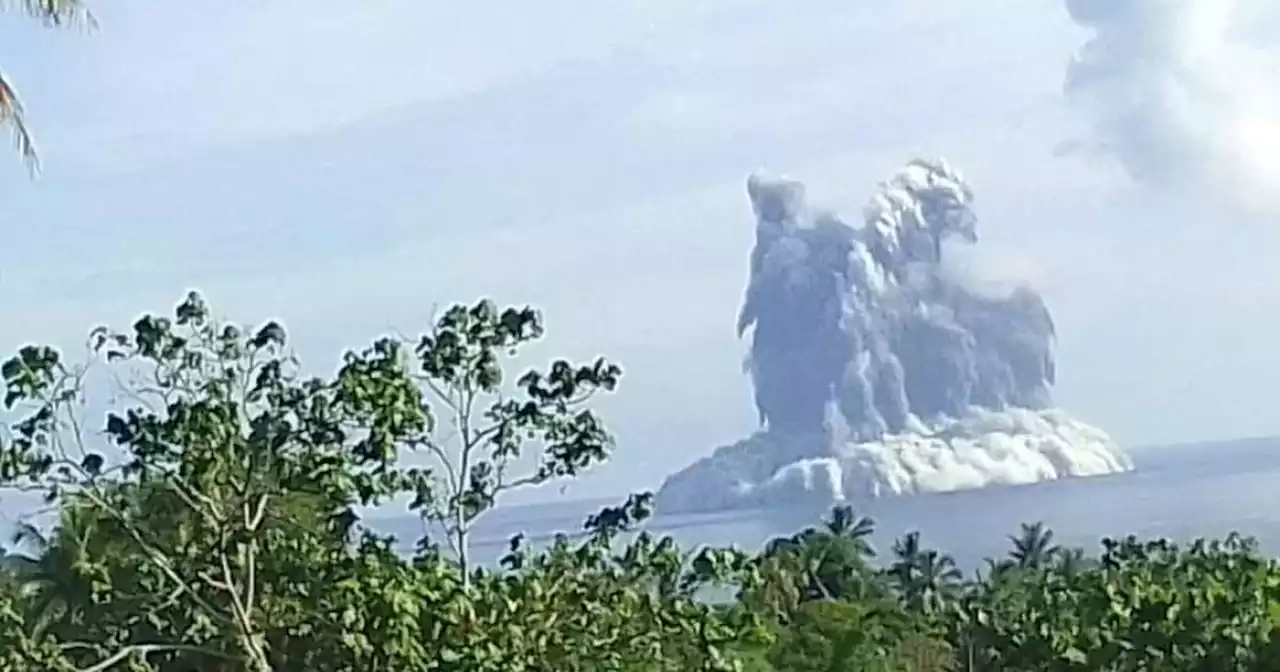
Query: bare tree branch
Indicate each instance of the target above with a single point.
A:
(141, 650)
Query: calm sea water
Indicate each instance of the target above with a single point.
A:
(1181, 492)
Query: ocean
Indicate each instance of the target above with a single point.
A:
(1181, 492)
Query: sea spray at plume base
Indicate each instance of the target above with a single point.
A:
(1011, 447)
(878, 368)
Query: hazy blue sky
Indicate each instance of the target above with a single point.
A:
(345, 166)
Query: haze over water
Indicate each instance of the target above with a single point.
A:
(1206, 489)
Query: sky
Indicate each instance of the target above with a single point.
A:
(349, 167)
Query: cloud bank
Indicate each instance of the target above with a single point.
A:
(1182, 94)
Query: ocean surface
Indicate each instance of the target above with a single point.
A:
(1181, 492)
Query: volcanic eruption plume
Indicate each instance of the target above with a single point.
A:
(876, 369)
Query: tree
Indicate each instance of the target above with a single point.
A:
(1141, 605)
(1033, 546)
(906, 564)
(54, 13)
(213, 528)
(219, 429)
(926, 579)
(835, 610)
(48, 572)
(1072, 561)
(937, 582)
(846, 524)
(830, 562)
(217, 531)
(461, 364)
(857, 636)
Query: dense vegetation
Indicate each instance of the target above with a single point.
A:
(213, 527)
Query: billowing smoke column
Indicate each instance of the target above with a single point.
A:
(1183, 92)
(877, 369)
(864, 318)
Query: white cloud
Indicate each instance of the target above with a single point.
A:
(1181, 93)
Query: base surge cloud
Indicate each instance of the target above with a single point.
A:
(879, 368)
(1183, 93)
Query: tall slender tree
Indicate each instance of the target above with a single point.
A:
(1033, 546)
(844, 523)
(925, 579)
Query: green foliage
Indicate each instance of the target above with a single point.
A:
(212, 527)
(926, 580)
(215, 527)
(461, 365)
(866, 636)
(1208, 606)
(827, 563)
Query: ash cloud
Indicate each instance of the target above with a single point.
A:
(879, 366)
(1182, 93)
(870, 320)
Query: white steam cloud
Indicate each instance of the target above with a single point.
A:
(986, 448)
(1183, 93)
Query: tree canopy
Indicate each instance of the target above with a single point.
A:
(209, 521)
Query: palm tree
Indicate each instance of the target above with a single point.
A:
(925, 579)
(907, 553)
(806, 556)
(845, 524)
(997, 569)
(1073, 561)
(906, 566)
(26, 563)
(1033, 546)
(15, 567)
(831, 562)
(56, 13)
(50, 572)
(938, 581)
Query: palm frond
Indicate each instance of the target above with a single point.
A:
(12, 113)
(28, 535)
(53, 13)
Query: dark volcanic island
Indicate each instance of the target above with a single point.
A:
(880, 367)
